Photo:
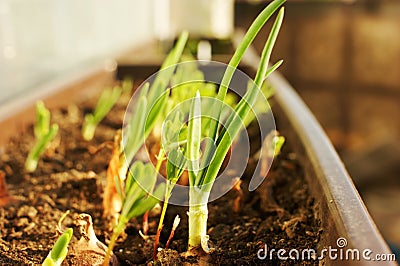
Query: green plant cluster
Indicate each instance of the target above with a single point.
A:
(182, 146)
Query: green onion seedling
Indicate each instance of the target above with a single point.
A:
(44, 134)
(148, 109)
(137, 200)
(60, 250)
(107, 100)
(150, 105)
(175, 136)
(202, 179)
(176, 163)
(198, 197)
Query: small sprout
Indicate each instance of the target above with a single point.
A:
(137, 198)
(202, 181)
(127, 85)
(238, 189)
(278, 141)
(271, 147)
(107, 100)
(60, 249)
(59, 225)
(175, 167)
(44, 134)
(145, 237)
(177, 220)
(174, 226)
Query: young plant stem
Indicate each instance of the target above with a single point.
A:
(160, 158)
(162, 217)
(168, 189)
(171, 235)
(198, 215)
(120, 227)
(44, 134)
(156, 242)
(198, 196)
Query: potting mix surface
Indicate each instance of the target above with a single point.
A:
(71, 175)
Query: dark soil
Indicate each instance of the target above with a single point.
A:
(71, 177)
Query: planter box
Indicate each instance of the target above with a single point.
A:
(339, 207)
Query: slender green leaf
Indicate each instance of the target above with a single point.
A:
(175, 165)
(135, 139)
(107, 100)
(168, 68)
(224, 141)
(145, 204)
(251, 33)
(155, 97)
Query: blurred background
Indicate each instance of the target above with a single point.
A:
(343, 57)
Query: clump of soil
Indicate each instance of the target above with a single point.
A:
(71, 177)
